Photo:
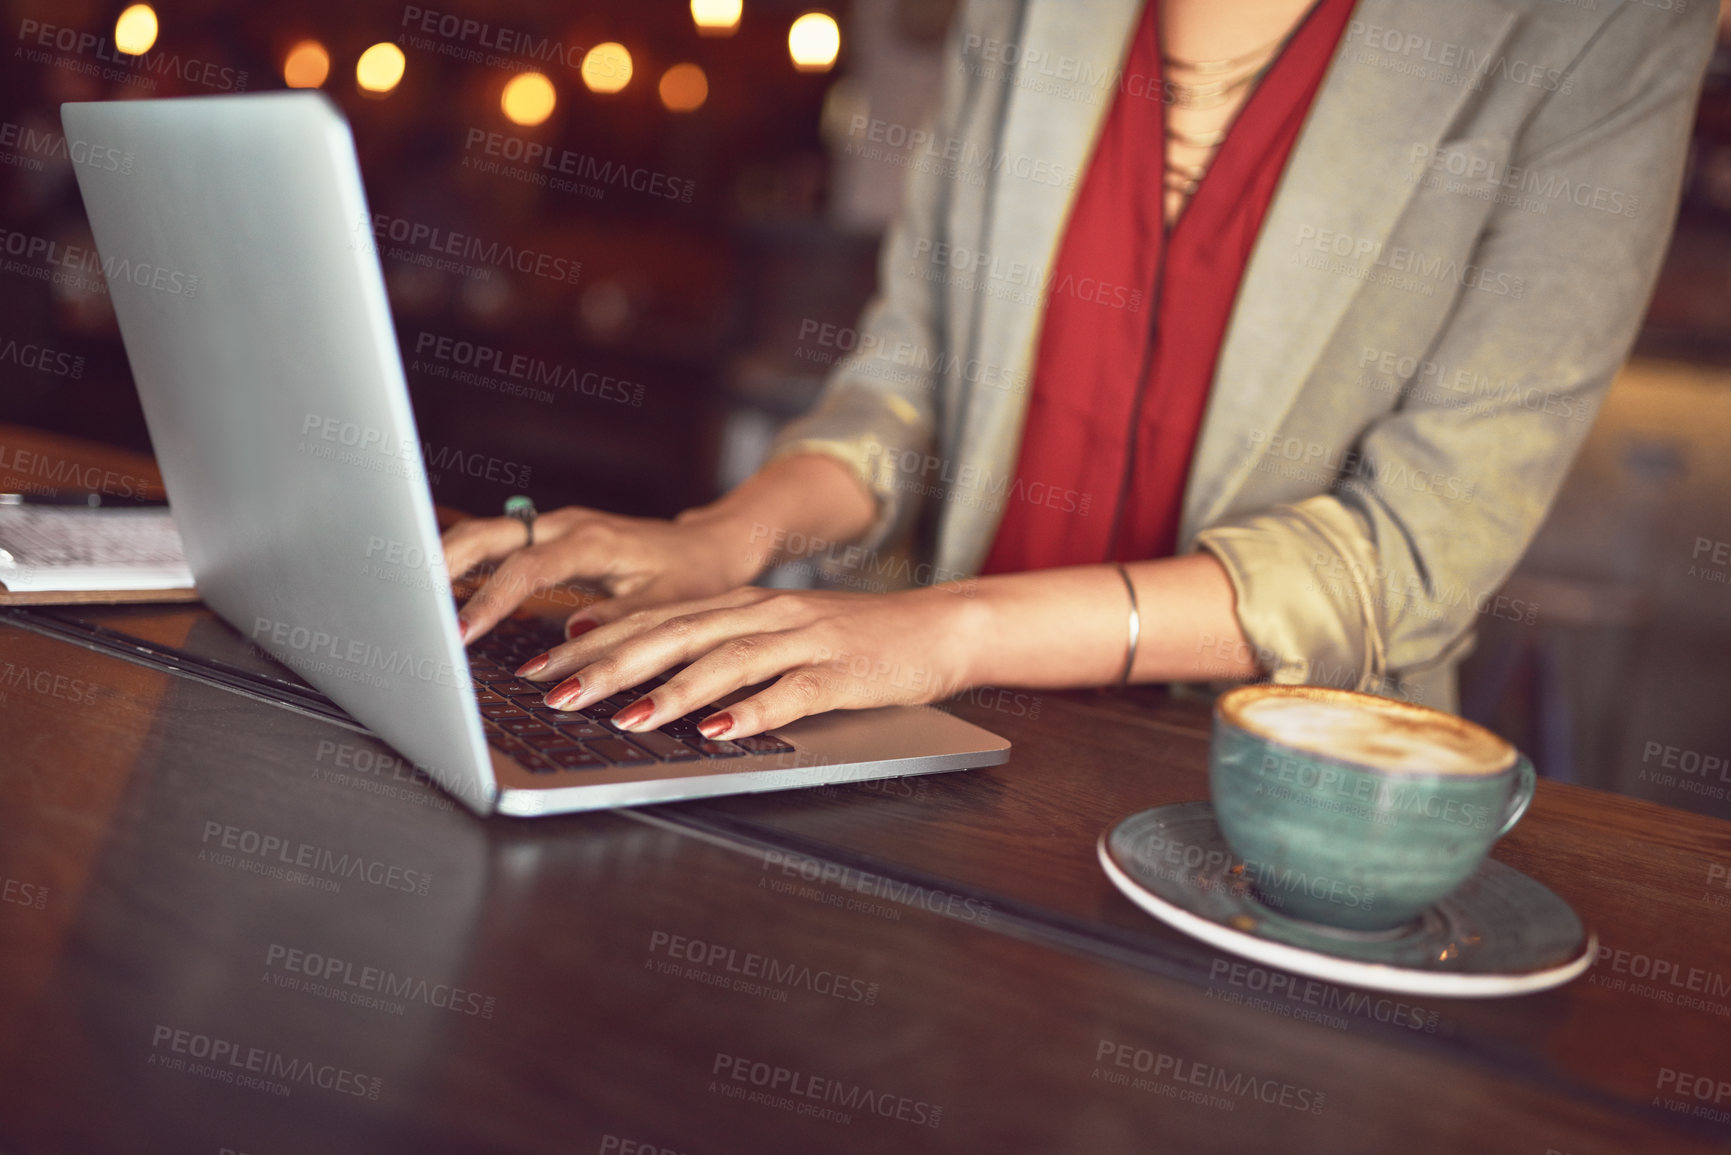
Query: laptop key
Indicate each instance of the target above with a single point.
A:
(765, 744)
(666, 748)
(713, 749)
(576, 758)
(554, 714)
(578, 727)
(619, 751)
(536, 763)
(508, 744)
(500, 710)
(523, 726)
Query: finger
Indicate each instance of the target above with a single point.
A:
(635, 648)
(562, 660)
(794, 695)
(655, 595)
(608, 610)
(625, 623)
(478, 540)
(741, 661)
(522, 575)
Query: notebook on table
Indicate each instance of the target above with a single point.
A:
(63, 554)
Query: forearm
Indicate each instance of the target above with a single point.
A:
(1069, 627)
(785, 510)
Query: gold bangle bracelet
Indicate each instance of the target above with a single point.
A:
(1135, 627)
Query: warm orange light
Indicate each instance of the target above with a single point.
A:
(606, 67)
(528, 99)
(716, 17)
(380, 67)
(136, 29)
(684, 88)
(307, 65)
(814, 42)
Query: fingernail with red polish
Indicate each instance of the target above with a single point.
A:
(561, 696)
(578, 629)
(716, 725)
(533, 665)
(464, 626)
(635, 714)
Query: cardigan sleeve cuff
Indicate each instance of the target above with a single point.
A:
(1304, 623)
(868, 433)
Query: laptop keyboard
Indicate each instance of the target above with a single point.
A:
(542, 740)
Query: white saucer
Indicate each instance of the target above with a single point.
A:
(1500, 933)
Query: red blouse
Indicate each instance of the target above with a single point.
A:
(1121, 378)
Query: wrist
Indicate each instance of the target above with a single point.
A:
(971, 627)
(791, 507)
(737, 544)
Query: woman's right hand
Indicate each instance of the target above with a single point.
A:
(640, 562)
(643, 562)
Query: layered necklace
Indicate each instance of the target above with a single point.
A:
(1203, 86)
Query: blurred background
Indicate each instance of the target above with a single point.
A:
(722, 173)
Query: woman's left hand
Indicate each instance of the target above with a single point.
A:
(824, 650)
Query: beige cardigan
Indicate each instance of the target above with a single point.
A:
(1453, 269)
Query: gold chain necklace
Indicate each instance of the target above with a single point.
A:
(1195, 139)
(1226, 64)
(1208, 94)
(1200, 85)
(1225, 76)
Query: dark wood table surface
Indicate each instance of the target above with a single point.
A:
(926, 964)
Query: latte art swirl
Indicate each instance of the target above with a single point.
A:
(1377, 733)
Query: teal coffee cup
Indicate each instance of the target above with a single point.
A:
(1355, 811)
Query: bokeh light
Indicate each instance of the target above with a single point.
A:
(607, 67)
(716, 17)
(684, 88)
(306, 65)
(136, 29)
(528, 99)
(814, 42)
(380, 67)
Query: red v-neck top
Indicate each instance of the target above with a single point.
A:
(1153, 324)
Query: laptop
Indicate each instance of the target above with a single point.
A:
(238, 250)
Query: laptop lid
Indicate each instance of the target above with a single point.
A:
(238, 254)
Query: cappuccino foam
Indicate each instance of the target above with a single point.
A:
(1375, 732)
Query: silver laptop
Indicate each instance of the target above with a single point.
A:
(238, 250)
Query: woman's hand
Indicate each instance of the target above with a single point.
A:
(644, 562)
(638, 561)
(825, 651)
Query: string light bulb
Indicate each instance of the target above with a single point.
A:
(683, 88)
(528, 99)
(380, 68)
(135, 30)
(814, 41)
(716, 17)
(606, 67)
(307, 65)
